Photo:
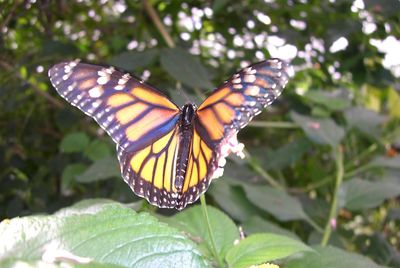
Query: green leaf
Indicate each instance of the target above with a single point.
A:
(232, 199)
(330, 257)
(386, 162)
(260, 248)
(104, 232)
(192, 222)
(74, 142)
(333, 101)
(102, 169)
(320, 131)
(367, 121)
(97, 150)
(277, 202)
(256, 224)
(357, 194)
(69, 175)
(284, 156)
(394, 103)
(186, 68)
(131, 60)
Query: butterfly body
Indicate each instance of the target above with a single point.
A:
(167, 154)
(185, 139)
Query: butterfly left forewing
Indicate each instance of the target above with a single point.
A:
(131, 112)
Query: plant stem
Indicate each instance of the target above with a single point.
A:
(314, 225)
(157, 22)
(210, 233)
(271, 124)
(262, 172)
(334, 205)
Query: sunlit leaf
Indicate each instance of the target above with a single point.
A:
(192, 221)
(261, 248)
(104, 232)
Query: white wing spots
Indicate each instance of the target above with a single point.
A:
(102, 80)
(96, 92)
(253, 90)
(122, 81)
(237, 86)
(96, 104)
(249, 78)
(104, 75)
(70, 66)
(250, 70)
(66, 76)
(237, 80)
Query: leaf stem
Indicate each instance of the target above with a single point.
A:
(210, 233)
(334, 205)
(273, 124)
(157, 22)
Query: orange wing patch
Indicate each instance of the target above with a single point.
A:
(209, 120)
(152, 97)
(198, 163)
(150, 121)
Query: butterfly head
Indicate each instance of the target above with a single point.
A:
(188, 114)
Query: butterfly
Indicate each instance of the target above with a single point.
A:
(169, 154)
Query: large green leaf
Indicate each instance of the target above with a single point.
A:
(232, 199)
(330, 257)
(365, 120)
(387, 162)
(100, 170)
(105, 232)
(261, 248)
(357, 194)
(320, 131)
(192, 222)
(74, 142)
(186, 68)
(333, 101)
(131, 60)
(277, 202)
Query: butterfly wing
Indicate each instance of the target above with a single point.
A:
(142, 122)
(228, 109)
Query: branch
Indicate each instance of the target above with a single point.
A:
(53, 101)
(156, 20)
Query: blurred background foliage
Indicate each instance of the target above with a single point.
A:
(332, 138)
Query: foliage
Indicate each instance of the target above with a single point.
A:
(321, 168)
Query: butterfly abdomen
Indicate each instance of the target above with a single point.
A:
(186, 136)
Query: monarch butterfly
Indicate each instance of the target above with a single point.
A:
(167, 154)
